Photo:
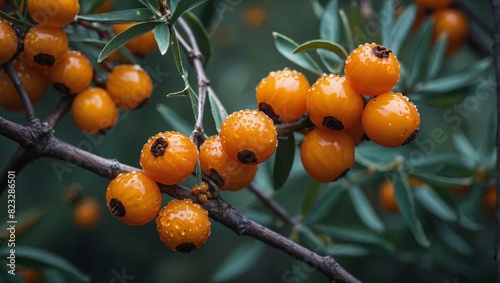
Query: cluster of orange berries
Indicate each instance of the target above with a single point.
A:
(46, 59)
(335, 105)
(448, 22)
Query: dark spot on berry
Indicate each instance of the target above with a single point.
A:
(411, 137)
(159, 146)
(268, 110)
(142, 103)
(117, 207)
(342, 174)
(44, 59)
(332, 123)
(381, 51)
(214, 175)
(246, 157)
(61, 88)
(186, 247)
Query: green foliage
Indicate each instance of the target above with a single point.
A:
(285, 153)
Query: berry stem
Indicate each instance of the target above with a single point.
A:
(28, 106)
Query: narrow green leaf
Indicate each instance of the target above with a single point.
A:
(151, 7)
(331, 61)
(386, 18)
(122, 38)
(429, 199)
(322, 44)
(365, 210)
(456, 80)
(326, 201)
(31, 256)
(317, 8)
(285, 153)
(437, 159)
(13, 20)
(162, 37)
(347, 250)
(464, 147)
(177, 54)
(473, 200)
(347, 29)
(312, 240)
(311, 194)
(286, 46)
(173, 4)
(330, 22)
(201, 35)
(402, 28)
(120, 17)
(173, 119)
(419, 51)
(239, 261)
(454, 240)
(436, 58)
(435, 180)
(87, 7)
(219, 113)
(406, 204)
(184, 6)
(354, 234)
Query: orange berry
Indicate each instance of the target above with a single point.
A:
(45, 46)
(87, 213)
(169, 157)
(129, 86)
(30, 275)
(391, 120)
(387, 198)
(106, 6)
(357, 133)
(327, 155)
(453, 24)
(94, 111)
(141, 45)
(372, 69)
(8, 42)
(433, 4)
(248, 136)
(333, 103)
(282, 95)
(490, 199)
(55, 13)
(133, 198)
(183, 225)
(73, 74)
(34, 81)
(228, 174)
(255, 16)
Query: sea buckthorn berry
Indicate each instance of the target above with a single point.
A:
(387, 198)
(45, 46)
(327, 155)
(372, 69)
(94, 111)
(106, 6)
(282, 95)
(55, 13)
(332, 103)
(169, 157)
(133, 198)
(227, 173)
(141, 45)
(433, 4)
(86, 213)
(34, 81)
(391, 120)
(8, 42)
(357, 133)
(30, 275)
(490, 199)
(248, 136)
(183, 225)
(452, 24)
(71, 75)
(129, 86)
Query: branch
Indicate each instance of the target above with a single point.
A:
(495, 4)
(218, 209)
(28, 106)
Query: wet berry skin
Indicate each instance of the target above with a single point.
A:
(8, 42)
(45, 46)
(94, 111)
(183, 225)
(129, 85)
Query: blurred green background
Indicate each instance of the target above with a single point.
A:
(244, 53)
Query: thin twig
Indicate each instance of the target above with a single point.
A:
(28, 106)
(495, 4)
(273, 205)
(471, 14)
